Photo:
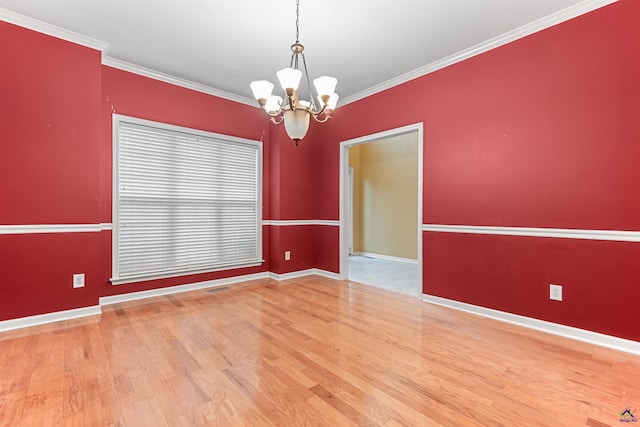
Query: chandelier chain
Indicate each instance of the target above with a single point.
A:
(297, 21)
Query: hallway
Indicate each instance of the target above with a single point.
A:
(395, 276)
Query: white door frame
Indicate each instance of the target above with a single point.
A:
(349, 223)
(344, 199)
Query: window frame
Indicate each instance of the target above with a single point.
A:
(117, 121)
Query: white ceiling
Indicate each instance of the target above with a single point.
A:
(368, 45)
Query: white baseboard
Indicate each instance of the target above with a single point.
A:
(302, 273)
(389, 257)
(41, 319)
(132, 296)
(590, 337)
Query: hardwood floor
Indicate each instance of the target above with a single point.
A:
(309, 351)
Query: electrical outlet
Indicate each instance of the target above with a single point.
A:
(287, 255)
(555, 292)
(78, 280)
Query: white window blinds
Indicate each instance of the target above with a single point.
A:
(185, 201)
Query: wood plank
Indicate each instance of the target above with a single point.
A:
(309, 351)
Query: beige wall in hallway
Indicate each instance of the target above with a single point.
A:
(386, 196)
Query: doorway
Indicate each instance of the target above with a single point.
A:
(380, 214)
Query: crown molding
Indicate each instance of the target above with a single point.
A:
(51, 30)
(518, 33)
(523, 31)
(167, 78)
(61, 33)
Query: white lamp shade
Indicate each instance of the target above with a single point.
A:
(273, 104)
(296, 123)
(333, 101)
(325, 85)
(261, 89)
(304, 104)
(289, 78)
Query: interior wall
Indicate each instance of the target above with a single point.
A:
(49, 163)
(134, 95)
(540, 132)
(292, 202)
(56, 169)
(386, 196)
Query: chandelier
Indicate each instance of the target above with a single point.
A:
(294, 112)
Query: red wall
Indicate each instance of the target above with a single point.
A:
(513, 274)
(55, 165)
(294, 194)
(294, 178)
(137, 96)
(50, 134)
(49, 110)
(56, 168)
(541, 132)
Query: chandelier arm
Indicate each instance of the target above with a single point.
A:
(306, 73)
(317, 113)
(274, 120)
(315, 117)
(273, 115)
(293, 64)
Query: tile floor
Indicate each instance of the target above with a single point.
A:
(395, 276)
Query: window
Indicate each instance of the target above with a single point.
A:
(184, 201)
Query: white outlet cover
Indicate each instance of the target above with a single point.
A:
(78, 280)
(555, 292)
